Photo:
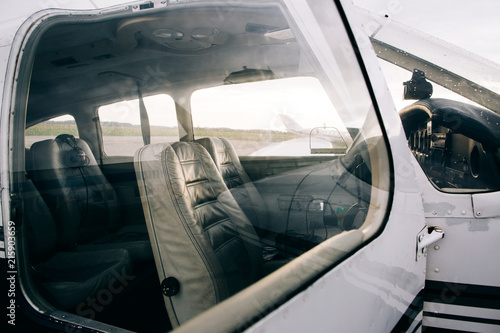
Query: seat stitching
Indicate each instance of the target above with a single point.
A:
(205, 203)
(190, 161)
(209, 183)
(208, 227)
(226, 243)
(197, 182)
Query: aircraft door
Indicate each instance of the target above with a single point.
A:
(462, 283)
(456, 146)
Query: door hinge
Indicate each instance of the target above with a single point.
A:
(427, 236)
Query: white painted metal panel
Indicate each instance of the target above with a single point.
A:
(486, 204)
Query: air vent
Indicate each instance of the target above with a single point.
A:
(104, 56)
(79, 65)
(64, 62)
(150, 5)
(147, 5)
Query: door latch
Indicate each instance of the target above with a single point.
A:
(427, 236)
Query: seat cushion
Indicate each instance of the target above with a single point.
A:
(41, 232)
(70, 278)
(133, 239)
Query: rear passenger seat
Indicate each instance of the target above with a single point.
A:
(84, 205)
(67, 278)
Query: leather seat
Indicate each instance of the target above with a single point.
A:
(85, 206)
(236, 179)
(201, 238)
(68, 279)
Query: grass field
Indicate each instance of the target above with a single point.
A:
(54, 129)
(125, 139)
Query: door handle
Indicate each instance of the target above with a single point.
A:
(427, 236)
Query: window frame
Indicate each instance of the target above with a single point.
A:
(152, 100)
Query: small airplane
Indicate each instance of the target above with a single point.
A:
(147, 187)
(316, 140)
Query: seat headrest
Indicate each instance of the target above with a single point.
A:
(75, 157)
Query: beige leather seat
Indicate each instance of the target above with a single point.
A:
(205, 248)
(236, 179)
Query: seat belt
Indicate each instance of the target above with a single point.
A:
(145, 129)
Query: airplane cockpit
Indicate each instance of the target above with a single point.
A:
(457, 144)
(196, 165)
(199, 147)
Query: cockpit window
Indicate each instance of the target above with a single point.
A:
(265, 144)
(454, 139)
(285, 117)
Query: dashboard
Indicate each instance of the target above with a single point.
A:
(456, 144)
(310, 204)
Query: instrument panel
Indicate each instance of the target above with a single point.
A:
(457, 145)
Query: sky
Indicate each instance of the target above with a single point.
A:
(472, 25)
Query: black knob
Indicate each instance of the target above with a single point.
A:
(170, 286)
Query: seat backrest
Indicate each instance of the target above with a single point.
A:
(228, 163)
(82, 201)
(200, 236)
(40, 228)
